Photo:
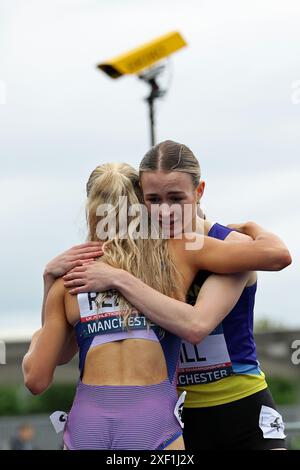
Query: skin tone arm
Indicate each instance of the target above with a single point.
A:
(59, 266)
(266, 252)
(224, 289)
(164, 310)
(238, 237)
(47, 343)
(78, 255)
(192, 323)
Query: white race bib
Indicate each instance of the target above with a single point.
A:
(205, 362)
(179, 407)
(271, 423)
(59, 419)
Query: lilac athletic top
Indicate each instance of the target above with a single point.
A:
(105, 324)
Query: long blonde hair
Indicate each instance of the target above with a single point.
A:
(147, 259)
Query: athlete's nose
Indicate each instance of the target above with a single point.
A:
(166, 214)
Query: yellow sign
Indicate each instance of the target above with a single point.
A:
(144, 56)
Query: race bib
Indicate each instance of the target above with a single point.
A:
(59, 419)
(205, 362)
(179, 408)
(271, 423)
(108, 320)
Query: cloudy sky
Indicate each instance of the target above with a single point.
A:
(234, 98)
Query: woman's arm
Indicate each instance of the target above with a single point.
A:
(61, 264)
(47, 343)
(175, 315)
(49, 280)
(70, 348)
(216, 299)
(78, 255)
(266, 252)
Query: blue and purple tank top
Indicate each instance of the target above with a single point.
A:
(224, 366)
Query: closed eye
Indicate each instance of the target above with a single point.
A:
(153, 199)
(176, 199)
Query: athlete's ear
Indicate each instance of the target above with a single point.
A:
(200, 190)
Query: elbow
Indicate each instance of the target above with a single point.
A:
(194, 339)
(286, 258)
(196, 334)
(283, 259)
(35, 382)
(34, 386)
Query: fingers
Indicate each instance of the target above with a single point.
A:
(74, 283)
(79, 263)
(74, 264)
(83, 246)
(90, 249)
(87, 262)
(79, 290)
(75, 273)
(92, 254)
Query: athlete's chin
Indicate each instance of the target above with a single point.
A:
(171, 231)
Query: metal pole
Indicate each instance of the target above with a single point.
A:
(155, 92)
(152, 122)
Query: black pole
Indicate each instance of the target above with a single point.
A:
(155, 92)
(152, 122)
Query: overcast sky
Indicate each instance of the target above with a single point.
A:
(234, 98)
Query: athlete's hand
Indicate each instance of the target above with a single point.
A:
(75, 256)
(94, 277)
